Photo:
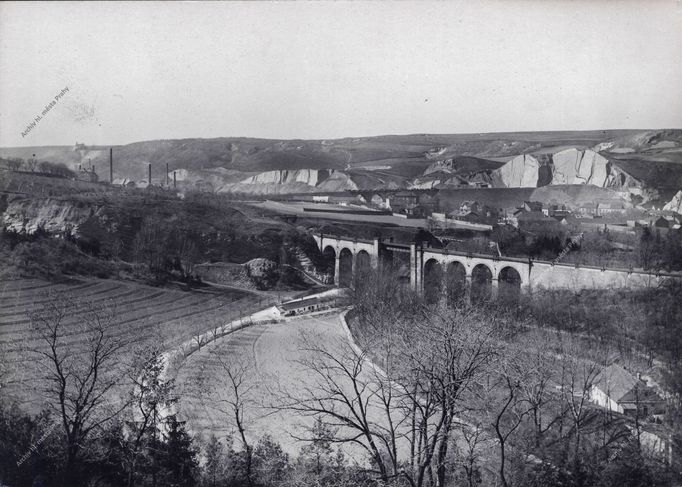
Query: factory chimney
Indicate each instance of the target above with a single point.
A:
(167, 181)
(149, 181)
(111, 165)
(174, 180)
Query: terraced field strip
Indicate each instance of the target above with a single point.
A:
(16, 331)
(15, 285)
(166, 307)
(145, 315)
(114, 294)
(29, 296)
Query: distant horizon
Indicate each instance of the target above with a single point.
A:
(112, 73)
(443, 134)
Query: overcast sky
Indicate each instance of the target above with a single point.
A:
(147, 71)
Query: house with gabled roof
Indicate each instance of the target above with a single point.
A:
(618, 390)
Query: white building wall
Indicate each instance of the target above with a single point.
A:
(601, 399)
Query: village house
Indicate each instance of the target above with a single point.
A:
(401, 200)
(377, 201)
(88, 174)
(344, 200)
(413, 203)
(468, 207)
(558, 211)
(302, 306)
(588, 209)
(611, 208)
(417, 211)
(532, 206)
(667, 222)
(617, 390)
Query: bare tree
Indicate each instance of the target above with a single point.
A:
(474, 438)
(148, 245)
(447, 352)
(152, 394)
(14, 163)
(31, 164)
(507, 404)
(578, 375)
(80, 357)
(200, 339)
(403, 415)
(347, 394)
(538, 389)
(235, 398)
(188, 254)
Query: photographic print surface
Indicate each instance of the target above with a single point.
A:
(284, 244)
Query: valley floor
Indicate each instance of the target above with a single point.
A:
(274, 358)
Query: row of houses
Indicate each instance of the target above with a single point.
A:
(425, 204)
(603, 208)
(306, 305)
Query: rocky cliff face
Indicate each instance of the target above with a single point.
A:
(569, 166)
(573, 166)
(675, 204)
(311, 177)
(52, 215)
(339, 181)
(521, 172)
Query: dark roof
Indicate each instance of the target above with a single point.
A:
(612, 205)
(641, 393)
(533, 205)
(616, 382)
(534, 216)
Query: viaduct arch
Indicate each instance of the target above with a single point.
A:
(454, 275)
(351, 257)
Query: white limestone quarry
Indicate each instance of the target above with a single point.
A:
(311, 177)
(601, 146)
(569, 167)
(675, 204)
(573, 166)
(520, 172)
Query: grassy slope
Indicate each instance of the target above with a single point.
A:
(248, 154)
(384, 161)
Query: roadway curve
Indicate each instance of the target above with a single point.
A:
(272, 353)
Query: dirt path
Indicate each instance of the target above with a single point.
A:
(272, 354)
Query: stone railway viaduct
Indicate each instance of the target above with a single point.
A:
(439, 271)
